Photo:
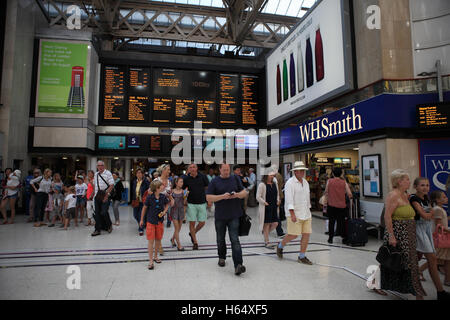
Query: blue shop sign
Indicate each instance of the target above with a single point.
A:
(383, 111)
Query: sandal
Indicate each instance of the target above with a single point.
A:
(380, 292)
(156, 260)
(268, 245)
(173, 243)
(151, 267)
(180, 249)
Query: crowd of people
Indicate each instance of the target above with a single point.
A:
(409, 220)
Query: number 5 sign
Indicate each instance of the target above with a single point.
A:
(133, 142)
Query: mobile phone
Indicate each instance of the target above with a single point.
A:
(232, 193)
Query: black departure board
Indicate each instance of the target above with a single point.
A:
(250, 105)
(162, 110)
(168, 82)
(155, 143)
(433, 115)
(139, 94)
(185, 111)
(229, 100)
(206, 111)
(114, 107)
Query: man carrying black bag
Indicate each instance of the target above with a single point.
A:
(104, 183)
(226, 191)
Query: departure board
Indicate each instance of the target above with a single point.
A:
(162, 110)
(228, 99)
(200, 84)
(185, 111)
(114, 107)
(168, 82)
(155, 143)
(206, 111)
(138, 94)
(433, 116)
(250, 106)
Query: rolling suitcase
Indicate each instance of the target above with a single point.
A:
(357, 227)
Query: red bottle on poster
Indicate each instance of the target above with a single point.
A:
(320, 68)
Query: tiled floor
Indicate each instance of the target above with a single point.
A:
(34, 263)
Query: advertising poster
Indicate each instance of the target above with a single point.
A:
(112, 142)
(62, 80)
(312, 64)
(371, 176)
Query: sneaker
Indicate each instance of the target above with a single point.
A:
(279, 252)
(443, 295)
(330, 240)
(221, 263)
(95, 233)
(305, 260)
(239, 269)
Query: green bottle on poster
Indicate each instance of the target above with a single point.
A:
(285, 81)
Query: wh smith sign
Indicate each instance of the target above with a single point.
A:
(435, 162)
(383, 111)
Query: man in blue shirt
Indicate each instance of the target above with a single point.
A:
(226, 191)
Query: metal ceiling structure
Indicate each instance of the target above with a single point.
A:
(240, 23)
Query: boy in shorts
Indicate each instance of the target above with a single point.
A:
(70, 203)
(157, 205)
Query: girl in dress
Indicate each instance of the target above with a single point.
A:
(177, 212)
(438, 199)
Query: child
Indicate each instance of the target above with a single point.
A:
(158, 204)
(177, 212)
(424, 234)
(70, 204)
(438, 199)
(81, 189)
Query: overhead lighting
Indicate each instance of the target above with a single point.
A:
(64, 158)
(77, 160)
(355, 149)
(116, 158)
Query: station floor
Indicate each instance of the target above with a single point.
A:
(34, 264)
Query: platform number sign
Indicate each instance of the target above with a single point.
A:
(133, 142)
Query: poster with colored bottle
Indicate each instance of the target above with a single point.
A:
(300, 69)
(314, 61)
(285, 81)
(112, 142)
(320, 68)
(62, 79)
(292, 75)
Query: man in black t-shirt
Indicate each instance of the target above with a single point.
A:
(227, 191)
(196, 183)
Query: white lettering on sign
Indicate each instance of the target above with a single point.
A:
(322, 128)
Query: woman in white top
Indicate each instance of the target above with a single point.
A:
(11, 195)
(45, 186)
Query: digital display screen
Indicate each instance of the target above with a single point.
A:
(138, 94)
(228, 99)
(250, 104)
(155, 143)
(185, 111)
(218, 144)
(247, 142)
(433, 116)
(162, 110)
(114, 107)
(112, 142)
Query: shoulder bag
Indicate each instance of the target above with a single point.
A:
(441, 238)
(101, 193)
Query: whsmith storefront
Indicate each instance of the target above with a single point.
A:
(372, 138)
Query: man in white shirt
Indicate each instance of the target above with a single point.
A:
(298, 205)
(103, 183)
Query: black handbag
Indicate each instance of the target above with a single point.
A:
(391, 258)
(244, 225)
